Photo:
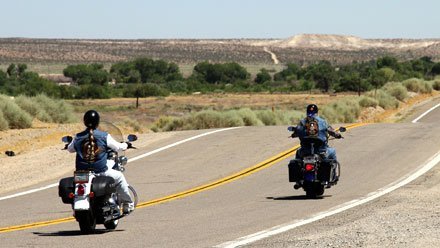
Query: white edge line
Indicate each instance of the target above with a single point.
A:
(429, 164)
(179, 142)
(422, 115)
(133, 159)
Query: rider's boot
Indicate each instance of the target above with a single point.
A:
(127, 207)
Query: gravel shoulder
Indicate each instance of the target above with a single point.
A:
(407, 217)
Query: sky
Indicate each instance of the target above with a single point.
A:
(218, 19)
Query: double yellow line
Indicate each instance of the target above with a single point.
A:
(236, 176)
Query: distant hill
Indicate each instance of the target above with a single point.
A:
(303, 49)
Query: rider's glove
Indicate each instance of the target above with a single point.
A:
(129, 145)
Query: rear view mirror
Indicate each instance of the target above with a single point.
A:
(67, 139)
(132, 137)
(342, 129)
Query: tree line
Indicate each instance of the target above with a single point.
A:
(144, 77)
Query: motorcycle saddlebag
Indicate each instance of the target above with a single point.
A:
(103, 185)
(325, 172)
(295, 166)
(65, 187)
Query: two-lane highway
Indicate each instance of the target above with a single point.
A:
(372, 157)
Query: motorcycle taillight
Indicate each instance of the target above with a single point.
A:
(81, 189)
(310, 167)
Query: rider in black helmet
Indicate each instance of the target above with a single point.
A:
(91, 148)
(313, 124)
(91, 119)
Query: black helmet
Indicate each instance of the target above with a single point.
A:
(312, 110)
(91, 119)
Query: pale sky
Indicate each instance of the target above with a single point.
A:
(204, 19)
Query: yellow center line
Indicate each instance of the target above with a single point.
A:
(246, 172)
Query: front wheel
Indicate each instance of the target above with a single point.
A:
(133, 195)
(87, 222)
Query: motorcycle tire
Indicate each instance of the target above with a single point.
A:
(314, 190)
(87, 223)
(133, 195)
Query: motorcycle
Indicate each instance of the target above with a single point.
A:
(93, 198)
(314, 172)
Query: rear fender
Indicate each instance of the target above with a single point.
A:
(82, 202)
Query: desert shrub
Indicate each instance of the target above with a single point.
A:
(385, 100)
(134, 124)
(166, 123)
(436, 84)
(278, 117)
(33, 108)
(293, 116)
(4, 125)
(268, 117)
(342, 111)
(15, 116)
(397, 90)
(56, 110)
(232, 119)
(204, 119)
(366, 101)
(249, 117)
(417, 85)
(330, 114)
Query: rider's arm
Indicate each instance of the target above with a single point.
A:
(114, 145)
(333, 133)
(71, 146)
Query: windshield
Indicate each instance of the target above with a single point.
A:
(112, 129)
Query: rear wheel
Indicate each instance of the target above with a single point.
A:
(87, 222)
(314, 190)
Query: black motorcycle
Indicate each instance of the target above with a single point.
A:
(314, 172)
(93, 198)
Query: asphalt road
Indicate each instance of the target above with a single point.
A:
(372, 157)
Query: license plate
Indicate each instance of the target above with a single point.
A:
(82, 177)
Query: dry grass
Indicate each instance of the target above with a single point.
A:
(122, 112)
(152, 108)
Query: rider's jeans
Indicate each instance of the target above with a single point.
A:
(121, 184)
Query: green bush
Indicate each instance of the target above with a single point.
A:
(57, 111)
(397, 90)
(385, 100)
(164, 123)
(232, 119)
(268, 117)
(272, 118)
(15, 116)
(417, 85)
(35, 109)
(204, 120)
(342, 111)
(366, 101)
(4, 125)
(249, 117)
(436, 84)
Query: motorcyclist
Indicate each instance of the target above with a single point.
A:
(91, 152)
(322, 132)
